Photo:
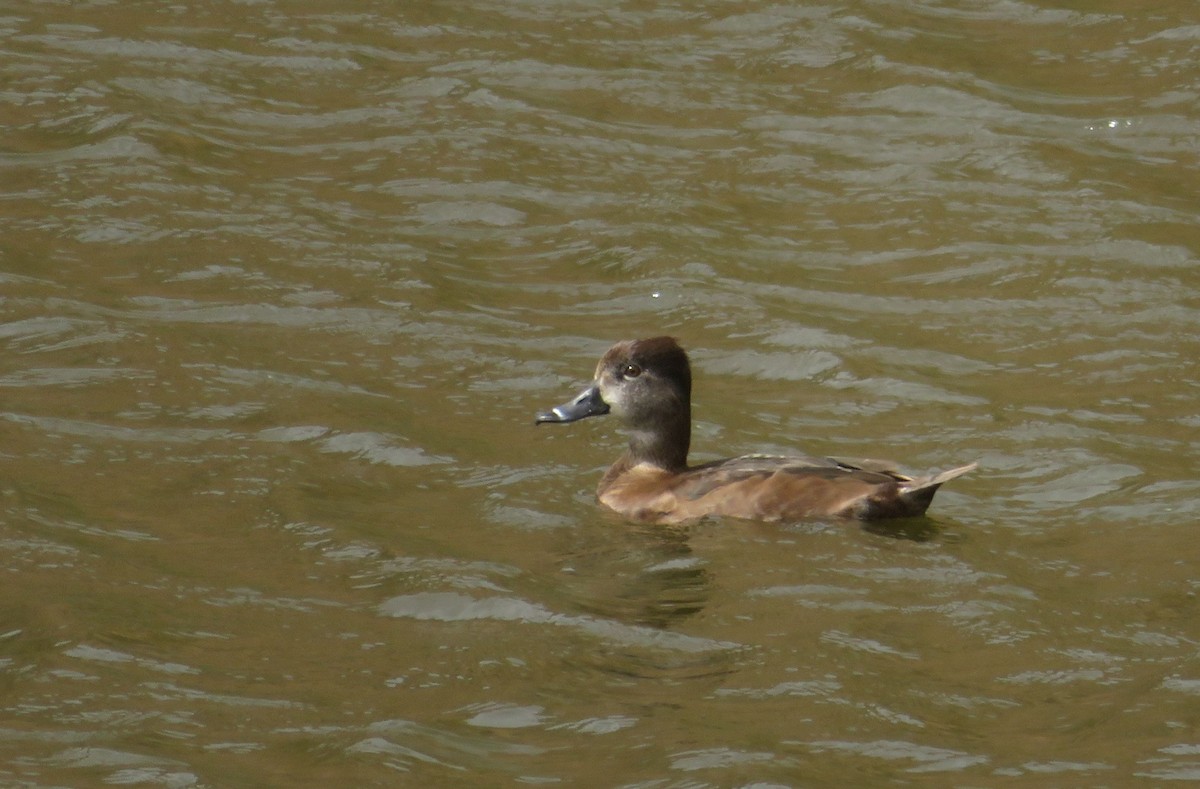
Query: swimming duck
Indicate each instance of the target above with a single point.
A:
(648, 384)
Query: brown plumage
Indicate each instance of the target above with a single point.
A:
(648, 384)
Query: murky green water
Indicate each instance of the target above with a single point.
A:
(283, 284)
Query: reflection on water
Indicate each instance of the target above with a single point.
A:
(282, 285)
(651, 577)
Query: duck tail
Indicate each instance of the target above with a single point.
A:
(917, 492)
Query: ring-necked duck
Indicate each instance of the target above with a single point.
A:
(648, 384)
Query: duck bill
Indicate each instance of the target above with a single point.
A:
(588, 403)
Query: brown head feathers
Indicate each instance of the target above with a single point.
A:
(660, 354)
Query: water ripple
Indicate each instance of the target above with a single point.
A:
(455, 607)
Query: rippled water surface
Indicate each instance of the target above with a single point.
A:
(283, 285)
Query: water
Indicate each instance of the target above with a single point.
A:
(283, 287)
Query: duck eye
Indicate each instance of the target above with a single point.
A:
(631, 371)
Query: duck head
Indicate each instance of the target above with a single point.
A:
(648, 385)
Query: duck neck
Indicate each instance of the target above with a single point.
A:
(665, 445)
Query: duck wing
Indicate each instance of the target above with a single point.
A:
(795, 488)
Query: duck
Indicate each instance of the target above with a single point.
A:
(647, 384)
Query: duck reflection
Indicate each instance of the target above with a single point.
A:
(638, 575)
